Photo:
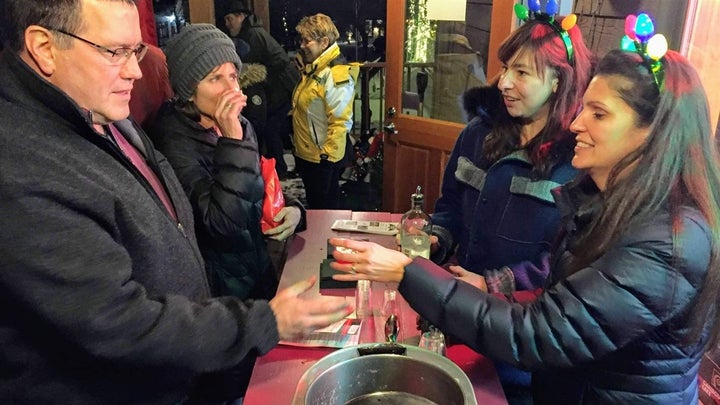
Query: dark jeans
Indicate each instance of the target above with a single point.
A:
(322, 182)
(277, 127)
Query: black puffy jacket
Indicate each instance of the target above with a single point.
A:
(221, 177)
(265, 50)
(610, 333)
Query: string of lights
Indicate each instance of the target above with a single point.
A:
(420, 33)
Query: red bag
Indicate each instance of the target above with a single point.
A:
(274, 200)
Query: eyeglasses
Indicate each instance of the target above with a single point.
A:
(117, 56)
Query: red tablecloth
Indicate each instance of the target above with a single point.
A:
(276, 374)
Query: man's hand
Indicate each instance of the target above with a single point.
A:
(297, 317)
(289, 218)
(469, 277)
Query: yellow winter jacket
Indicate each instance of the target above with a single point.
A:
(323, 107)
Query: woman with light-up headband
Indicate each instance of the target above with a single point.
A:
(496, 209)
(631, 302)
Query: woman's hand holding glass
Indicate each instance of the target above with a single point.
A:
(369, 261)
(227, 113)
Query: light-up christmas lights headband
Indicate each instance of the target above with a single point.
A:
(640, 37)
(548, 17)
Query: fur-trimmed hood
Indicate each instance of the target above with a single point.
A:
(482, 102)
(252, 73)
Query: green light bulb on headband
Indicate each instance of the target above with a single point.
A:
(639, 38)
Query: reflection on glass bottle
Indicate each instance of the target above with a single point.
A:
(392, 328)
(390, 311)
(415, 228)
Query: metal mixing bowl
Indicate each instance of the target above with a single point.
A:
(382, 374)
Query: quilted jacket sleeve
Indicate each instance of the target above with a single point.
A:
(626, 293)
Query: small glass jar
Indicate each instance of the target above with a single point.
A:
(363, 295)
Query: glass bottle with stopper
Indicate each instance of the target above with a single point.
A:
(416, 228)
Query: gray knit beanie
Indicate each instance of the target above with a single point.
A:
(193, 53)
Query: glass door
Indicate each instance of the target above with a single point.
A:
(436, 49)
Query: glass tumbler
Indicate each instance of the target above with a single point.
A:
(363, 295)
(434, 341)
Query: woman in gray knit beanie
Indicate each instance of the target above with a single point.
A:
(203, 67)
(214, 152)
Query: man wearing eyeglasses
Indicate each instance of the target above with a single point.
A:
(103, 293)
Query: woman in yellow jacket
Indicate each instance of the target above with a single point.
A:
(322, 110)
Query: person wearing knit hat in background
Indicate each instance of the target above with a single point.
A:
(214, 152)
(255, 45)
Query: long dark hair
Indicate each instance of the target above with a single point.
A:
(553, 142)
(676, 166)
